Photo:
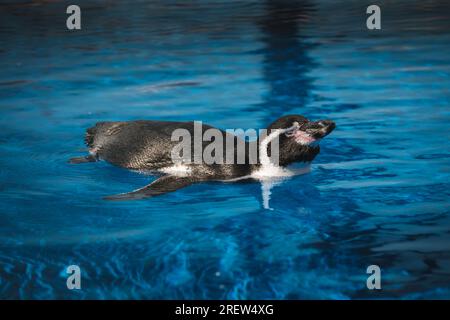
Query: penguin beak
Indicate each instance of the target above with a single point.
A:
(319, 129)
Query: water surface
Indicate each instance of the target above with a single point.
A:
(378, 192)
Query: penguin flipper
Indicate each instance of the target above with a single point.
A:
(158, 187)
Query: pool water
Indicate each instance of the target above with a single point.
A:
(378, 193)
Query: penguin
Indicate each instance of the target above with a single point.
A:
(147, 146)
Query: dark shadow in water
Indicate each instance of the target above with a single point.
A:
(286, 61)
(288, 70)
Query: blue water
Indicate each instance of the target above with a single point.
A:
(378, 193)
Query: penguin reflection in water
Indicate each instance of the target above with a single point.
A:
(147, 146)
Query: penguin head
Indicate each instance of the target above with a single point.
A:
(299, 138)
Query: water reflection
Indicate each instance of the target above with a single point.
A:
(287, 62)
